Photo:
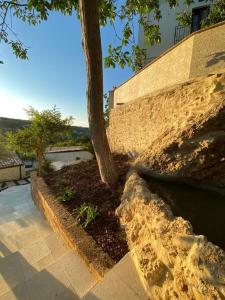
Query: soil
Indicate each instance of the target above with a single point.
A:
(84, 179)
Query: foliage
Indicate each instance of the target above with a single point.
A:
(83, 140)
(86, 213)
(66, 195)
(127, 13)
(46, 166)
(216, 14)
(45, 128)
(106, 111)
(8, 124)
(89, 147)
(3, 149)
(184, 18)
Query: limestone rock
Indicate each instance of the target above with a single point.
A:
(196, 149)
(172, 261)
(177, 133)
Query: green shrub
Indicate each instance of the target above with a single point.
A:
(66, 195)
(86, 213)
(46, 167)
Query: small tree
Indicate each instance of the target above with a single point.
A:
(45, 128)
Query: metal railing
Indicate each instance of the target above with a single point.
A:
(181, 32)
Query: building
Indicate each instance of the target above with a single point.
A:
(171, 31)
(63, 156)
(11, 168)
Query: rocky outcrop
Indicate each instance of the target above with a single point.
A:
(178, 133)
(172, 261)
(199, 161)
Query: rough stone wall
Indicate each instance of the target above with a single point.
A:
(172, 261)
(177, 132)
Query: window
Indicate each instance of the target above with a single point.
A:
(198, 15)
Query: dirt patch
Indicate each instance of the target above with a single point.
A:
(84, 180)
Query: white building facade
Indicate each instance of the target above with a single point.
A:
(11, 169)
(171, 31)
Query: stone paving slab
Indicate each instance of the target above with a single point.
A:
(122, 283)
(8, 184)
(34, 263)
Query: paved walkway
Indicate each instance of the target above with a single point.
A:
(122, 282)
(34, 264)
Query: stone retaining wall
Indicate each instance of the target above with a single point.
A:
(74, 236)
(173, 262)
(183, 111)
(178, 133)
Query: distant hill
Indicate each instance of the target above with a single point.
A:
(8, 124)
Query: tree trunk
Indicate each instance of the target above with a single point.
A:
(39, 161)
(93, 55)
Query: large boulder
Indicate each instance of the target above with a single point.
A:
(173, 262)
(193, 146)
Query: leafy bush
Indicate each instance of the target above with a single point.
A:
(46, 167)
(216, 14)
(86, 213)
(66, 195)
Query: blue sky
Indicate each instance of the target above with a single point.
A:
(55, 72)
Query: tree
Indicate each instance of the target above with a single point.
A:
(45, 128)
(92, 14)
(89, 15)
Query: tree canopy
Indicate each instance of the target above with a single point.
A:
(46, 126)
(127, 13)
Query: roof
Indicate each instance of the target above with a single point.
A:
(64, 149)
(10, 162)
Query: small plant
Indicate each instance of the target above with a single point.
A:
(46, 167)
(86, 213)
(66, 195)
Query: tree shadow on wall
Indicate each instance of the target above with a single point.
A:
(216, 58)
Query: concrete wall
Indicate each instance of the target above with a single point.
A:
(208, 54)
(12, 173)
(68, 157)
(201, 53)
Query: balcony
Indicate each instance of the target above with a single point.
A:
(181, 32)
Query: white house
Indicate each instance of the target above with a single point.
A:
(171, 31)
(11, 168)
(63, 156)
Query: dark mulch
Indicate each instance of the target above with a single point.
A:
(85, 180)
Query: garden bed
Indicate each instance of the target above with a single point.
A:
(84, 180)
(64, 224)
